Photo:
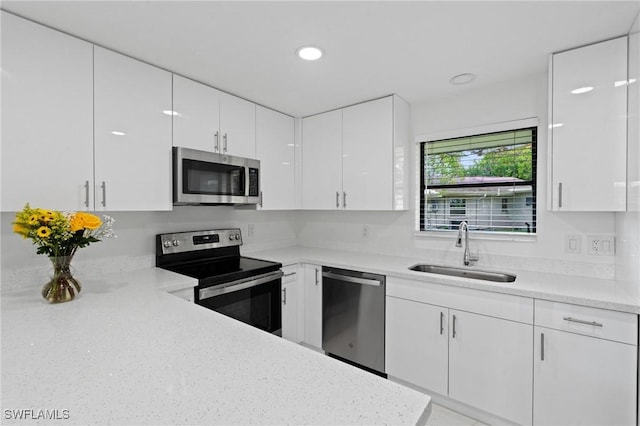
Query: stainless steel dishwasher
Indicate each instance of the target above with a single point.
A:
(353, 317)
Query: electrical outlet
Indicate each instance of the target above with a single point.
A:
(251, 230)
(573, 243)
(601, 245)
(365, 231)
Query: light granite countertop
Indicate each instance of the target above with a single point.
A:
(593, 292)
(125, 352)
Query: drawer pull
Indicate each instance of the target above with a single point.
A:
(579, 321)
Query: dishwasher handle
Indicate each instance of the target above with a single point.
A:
(354, 280)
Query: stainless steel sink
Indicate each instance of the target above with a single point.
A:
(500, 277)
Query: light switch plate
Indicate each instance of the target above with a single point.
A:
(573, 243)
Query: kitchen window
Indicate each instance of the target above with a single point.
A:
(487, 180)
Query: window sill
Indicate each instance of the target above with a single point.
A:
(477, 235)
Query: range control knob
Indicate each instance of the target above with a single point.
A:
(230, 237)
(176, 243)
(167, 244)
(237, 237)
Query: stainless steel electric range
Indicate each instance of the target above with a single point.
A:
(242, 288)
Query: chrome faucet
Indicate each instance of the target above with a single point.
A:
(468, 257)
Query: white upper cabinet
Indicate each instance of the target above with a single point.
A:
(275, 148)
(367, 155)
(196, 124)
(237, 126)
(322, 161)
(132, 104)
(47, 118)
(633, 136)
(210, 120)
(355, 158)
(589, 127)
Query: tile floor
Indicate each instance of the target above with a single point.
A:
(441, 416)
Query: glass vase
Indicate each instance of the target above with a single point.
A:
(62, 287)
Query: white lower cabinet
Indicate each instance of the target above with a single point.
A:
(490, 365)
(581, 379)
(313, 305)
(482, 359)
(417, 343)
(290, 303)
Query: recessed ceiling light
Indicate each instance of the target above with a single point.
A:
(169, 112)
(465, 78)
(309, 53)
(581, 90)
(115, 132)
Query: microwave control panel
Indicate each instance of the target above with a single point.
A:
(254, 184)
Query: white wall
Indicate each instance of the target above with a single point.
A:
(628, 223)
(135, 245)
(393, 232)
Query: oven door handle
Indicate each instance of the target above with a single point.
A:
(242, 284)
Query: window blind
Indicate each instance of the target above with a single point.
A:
(487, 180)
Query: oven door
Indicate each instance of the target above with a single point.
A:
(255, 300)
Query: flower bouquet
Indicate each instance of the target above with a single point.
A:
(59, 235)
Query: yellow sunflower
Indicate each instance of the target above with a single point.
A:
(33, 220)
(43, 232)
(46, 216)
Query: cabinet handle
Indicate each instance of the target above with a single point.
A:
(541, 346)
(559, 194)
(317, 282)
(284, 296)
(344, 200)
(579, 321)
(86, 193)
(441, 322)
(104, 193)
(224, 143)
(454, 327)
(217, 145)
(260, 203)
(290, 274)
(337, 200)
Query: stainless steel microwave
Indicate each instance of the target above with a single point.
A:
(202, 177)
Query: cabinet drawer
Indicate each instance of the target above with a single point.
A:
(290, 273)
(601, 323)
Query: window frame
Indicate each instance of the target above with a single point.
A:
(421, 199)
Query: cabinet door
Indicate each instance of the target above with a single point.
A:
(275, 149)
(290, 303)
(47, 118)
(490, 365)
(367, 155)
(416, 343)
(322, 161)
(196, 124)
(237, 126)
(582, 380)
(313, 305)
(589, 128)
(132, 134)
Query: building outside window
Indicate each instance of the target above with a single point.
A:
(487, 180)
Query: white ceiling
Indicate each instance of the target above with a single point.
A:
(372, 48)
